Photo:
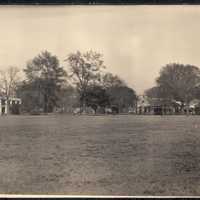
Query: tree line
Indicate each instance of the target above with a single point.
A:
(83, 82)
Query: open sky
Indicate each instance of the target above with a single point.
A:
(136, 41)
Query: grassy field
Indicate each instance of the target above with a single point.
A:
(100, 155)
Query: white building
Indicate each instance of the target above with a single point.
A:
(4, 103)
(142, 104)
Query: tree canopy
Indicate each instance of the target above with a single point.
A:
(46, 76)
(85, 70)
(109, 80)
(179, 81)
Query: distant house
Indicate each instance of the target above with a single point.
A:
(165, 106)
(12, 105)
(195, 106)
(157, 106)
(143, 105)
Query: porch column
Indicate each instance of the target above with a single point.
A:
(0, 107)
(6, 107)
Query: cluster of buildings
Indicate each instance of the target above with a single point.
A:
(148, 106)
(156, 106)
(144, 106)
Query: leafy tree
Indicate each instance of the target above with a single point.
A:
(179, 82)
(96, 96)
(46, 77)
(85, 70)
(158, 92)
(153, 92)
(29, 94)
(122, 97)
(68, 99)
(109, 80)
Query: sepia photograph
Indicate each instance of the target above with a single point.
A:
(100, 100)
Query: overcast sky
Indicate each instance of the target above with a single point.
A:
(136, 41)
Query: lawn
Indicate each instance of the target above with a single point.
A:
(100, 155)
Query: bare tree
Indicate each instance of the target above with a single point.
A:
(9, 79)
(85, 70)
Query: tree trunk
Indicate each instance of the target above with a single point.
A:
(136, 106)
(83, 101)
(8, 105)
(182, 108)
(187, 109)
(45, 103)
(83, 105)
